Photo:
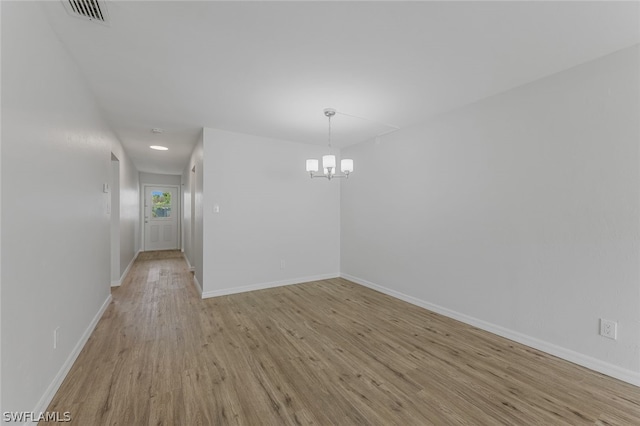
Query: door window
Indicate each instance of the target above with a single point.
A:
(160, 204)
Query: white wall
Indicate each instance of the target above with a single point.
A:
(159, 179)
(518, 213)
(115, 220)
(1, 345)
(193, 180)
(269, 211)
(130, 242)
(186, 214)
(56, 153)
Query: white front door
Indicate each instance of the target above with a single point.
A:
(161, 210)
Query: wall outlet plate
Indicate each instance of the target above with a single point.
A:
(608, 328)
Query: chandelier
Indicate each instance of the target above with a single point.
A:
(329, 160)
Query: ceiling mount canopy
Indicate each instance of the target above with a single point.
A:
(329, 160)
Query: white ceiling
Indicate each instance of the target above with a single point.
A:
(270, 68)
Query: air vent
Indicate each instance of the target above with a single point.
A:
(93, 10)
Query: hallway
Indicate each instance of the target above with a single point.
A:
(138, 353)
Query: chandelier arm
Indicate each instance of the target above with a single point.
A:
(330, 176)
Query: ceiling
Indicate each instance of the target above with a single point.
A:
(270, 68)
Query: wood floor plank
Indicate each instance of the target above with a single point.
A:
(318, 353)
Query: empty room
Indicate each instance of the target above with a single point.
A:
(320, 212)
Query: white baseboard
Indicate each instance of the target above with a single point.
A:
(191, 268)
(196, 283)
(591, 363)
(126, 271)
(64, 370)
(272, 284)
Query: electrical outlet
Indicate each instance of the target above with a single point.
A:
(608, 328)
(55, 337)
(282, 264)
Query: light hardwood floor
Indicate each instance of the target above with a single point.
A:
(326, 352)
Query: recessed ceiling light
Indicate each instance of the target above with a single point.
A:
(156, 130)
(159, 148)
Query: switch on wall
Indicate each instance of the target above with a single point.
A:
(216, 208)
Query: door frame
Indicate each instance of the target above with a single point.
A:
(178, 211)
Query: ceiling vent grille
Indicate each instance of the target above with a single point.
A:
(92, 10)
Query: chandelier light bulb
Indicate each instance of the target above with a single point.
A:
(329, 161)
(312, 165)
(346, 165)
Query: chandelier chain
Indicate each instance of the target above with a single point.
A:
(330, 134)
